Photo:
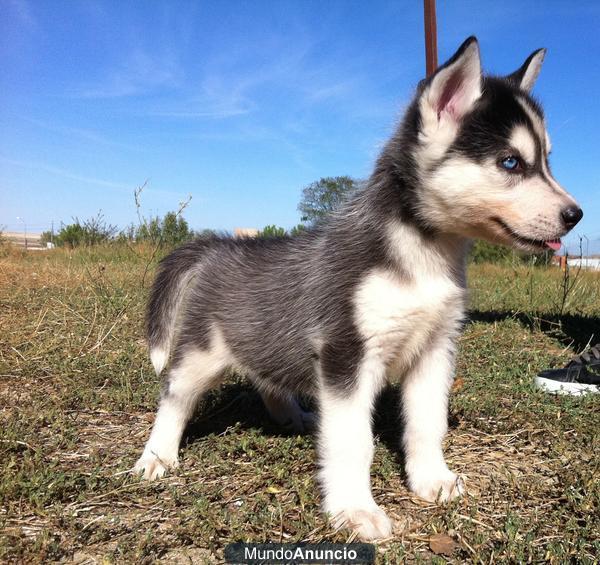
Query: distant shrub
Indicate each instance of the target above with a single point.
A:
(484, 252)
(47, 237)
(89, 232)
(539, 259)
(175, 229)
(272, 231)
(207, 233)
(150, 230)
(170, 230)
(296, 230)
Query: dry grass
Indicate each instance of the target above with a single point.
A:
(77, 397)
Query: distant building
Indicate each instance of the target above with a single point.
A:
(592, 263)
(245, 232)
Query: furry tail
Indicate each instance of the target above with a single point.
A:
(175, 274)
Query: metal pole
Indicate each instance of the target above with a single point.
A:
(24, 230)
(430, 37)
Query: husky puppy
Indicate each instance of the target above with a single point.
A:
(377, 290)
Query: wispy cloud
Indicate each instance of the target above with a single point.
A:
(204, 107)
(214, 114)
(236, 81)
(80, 133)
(139, 73)
(66, 174)
(168, 196)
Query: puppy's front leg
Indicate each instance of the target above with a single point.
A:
(425, 409)
(346, 452)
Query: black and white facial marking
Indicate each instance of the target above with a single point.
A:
(483, 156)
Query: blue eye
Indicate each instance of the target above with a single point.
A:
(511, 163)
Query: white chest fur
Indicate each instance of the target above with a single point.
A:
(398, 318)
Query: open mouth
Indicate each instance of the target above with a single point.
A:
(541, 244)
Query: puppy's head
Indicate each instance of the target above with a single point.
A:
(481, 151)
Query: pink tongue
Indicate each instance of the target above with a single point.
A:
(555, 245)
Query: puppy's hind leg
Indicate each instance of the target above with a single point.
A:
(193, 373)
(287, 412)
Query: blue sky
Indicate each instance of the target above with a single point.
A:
(242, 104)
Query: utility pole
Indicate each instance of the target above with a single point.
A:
(430, 37)
(24, 230)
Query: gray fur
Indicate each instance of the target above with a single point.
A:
(281, 303)
(377, 289)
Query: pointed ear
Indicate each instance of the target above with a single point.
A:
(526, 76)
(456, 86)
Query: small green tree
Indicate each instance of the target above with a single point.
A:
(296, 230)
(207, 233)
(485, 252)
(71, 235)
(323, 196)
(89, 232)
(175, 230)
(170, 230)
(46, 237)
(272, 231)
(150, 230)
(126, 235)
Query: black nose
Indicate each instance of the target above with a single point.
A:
(571, 216)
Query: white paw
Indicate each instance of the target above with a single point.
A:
(436, 487)
(151, 466)
(369, 523)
